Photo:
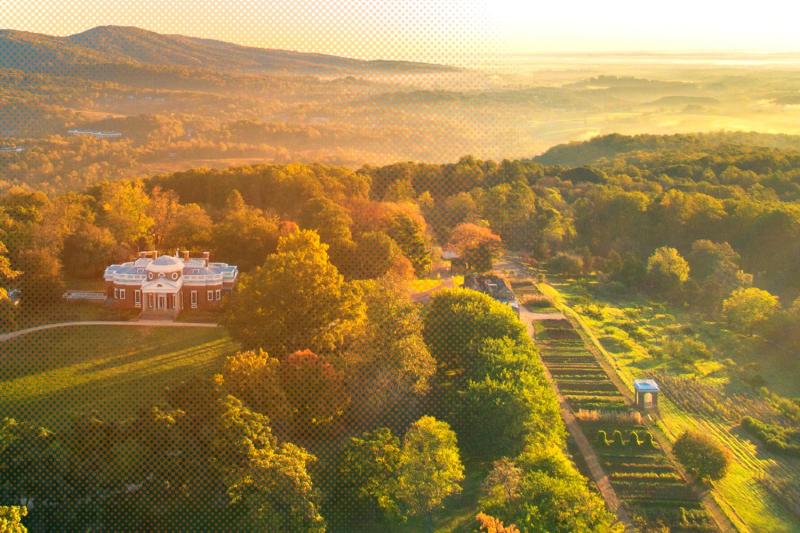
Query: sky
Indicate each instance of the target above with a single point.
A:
(437, 30)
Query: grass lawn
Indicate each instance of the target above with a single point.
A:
(50, 376)
(62, 311)
(757, 492)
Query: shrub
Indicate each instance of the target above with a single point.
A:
(649, 440)
(618, 440)
(602, 438)
(567, 264)
(634, 440)
(775, 438)
(701, 456)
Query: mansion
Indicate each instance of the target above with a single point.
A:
(166, 285)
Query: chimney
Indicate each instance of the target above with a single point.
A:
(206, 257)
(185, 254)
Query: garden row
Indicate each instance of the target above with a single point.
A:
(651, 488)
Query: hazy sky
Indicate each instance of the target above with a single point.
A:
(437, 29)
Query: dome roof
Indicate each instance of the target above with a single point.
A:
(166, 263)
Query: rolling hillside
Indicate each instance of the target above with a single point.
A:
(138, 48)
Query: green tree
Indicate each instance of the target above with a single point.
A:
(409, 234)
(370, 466)
(245, 235)
(375, 254)
(430, 470)
(296, 300)
(89, 250)
(667, 270)
(702, 456)
(748, 308)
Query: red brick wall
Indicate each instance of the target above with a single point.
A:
(202, 296)
(130, 296)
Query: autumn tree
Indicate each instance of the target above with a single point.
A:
(253, 376)
(478, 246)
(701, 456)
(297, 300)
(190, 229)
(41, 282)
(123, 207)
(315, 391)
(388, 366)
(11, 518)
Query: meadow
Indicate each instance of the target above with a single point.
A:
(49, 377)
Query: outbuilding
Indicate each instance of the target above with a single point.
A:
(646, 393)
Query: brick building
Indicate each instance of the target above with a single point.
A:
(166, 285)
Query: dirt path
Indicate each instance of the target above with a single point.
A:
(140, 323)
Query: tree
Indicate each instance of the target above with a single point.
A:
(456, 320)
(315, 391)
(375, 254)
(409, 234)
(89, 250)
(430, 470)
(701, 456)
(162, 208)
(297, 300)
(370, 466)
(11, 519)
(667, 270)
(124, 209)
(478, 246)
(567, 264)
(245, 236)
(190, 228)
(40, 283)
(747, 308)
(715, 270)
(253, 376)
(388, 365)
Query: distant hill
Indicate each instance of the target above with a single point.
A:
(609, 146)
(131, 47)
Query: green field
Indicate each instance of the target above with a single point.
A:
(759, 493)
(50, 376)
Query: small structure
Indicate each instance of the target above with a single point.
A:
(646, 393)
(457, 265)
(494, 286)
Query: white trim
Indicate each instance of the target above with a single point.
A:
(210, 295)
(194, 299)
(218, 295)
(122, 294)
(137, 298)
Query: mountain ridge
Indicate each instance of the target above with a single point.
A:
(136, 47)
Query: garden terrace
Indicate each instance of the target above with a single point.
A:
(639, 470)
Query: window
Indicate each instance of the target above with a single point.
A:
(122, 294)
(194, 299)
(175, 275)
(210, 296)
(137, 298)
(116, 294)
(218, 295)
